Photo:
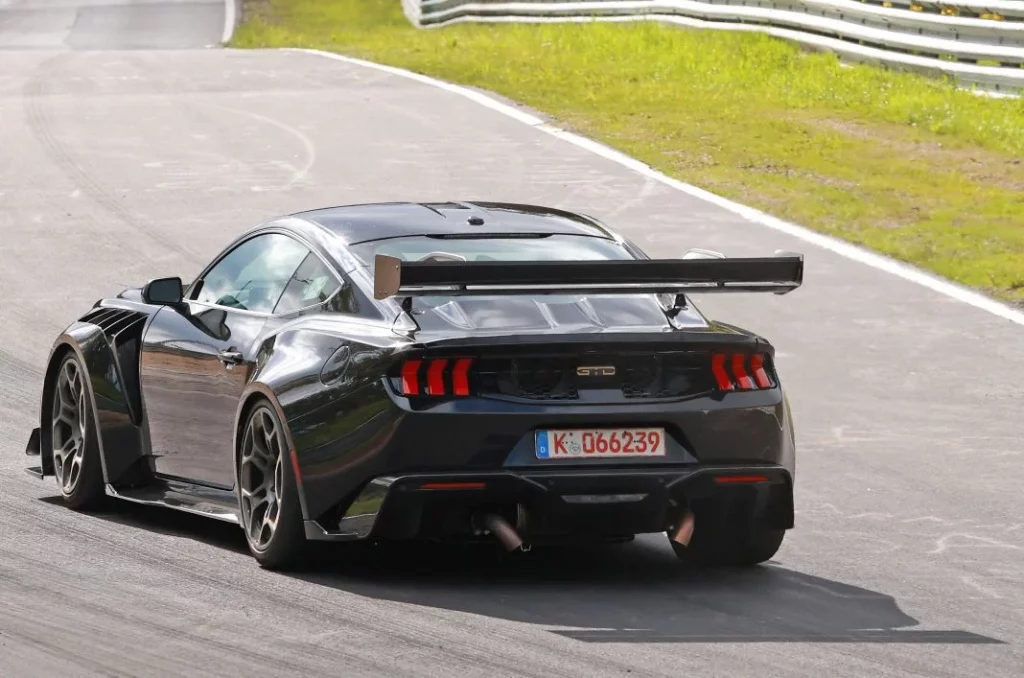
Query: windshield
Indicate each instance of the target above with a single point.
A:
(498, 248)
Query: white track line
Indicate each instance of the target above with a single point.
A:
(840, 247)
(229, 21)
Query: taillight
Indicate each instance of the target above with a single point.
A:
(410, 377)
(721, 376)
(740, 371)
(435, 377)
(441, 376)
(757, 367)
(460, 376)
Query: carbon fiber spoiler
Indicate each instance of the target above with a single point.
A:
(396, 278)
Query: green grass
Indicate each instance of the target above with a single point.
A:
(903, 164)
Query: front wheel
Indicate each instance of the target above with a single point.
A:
(268, 496)
(75, 446)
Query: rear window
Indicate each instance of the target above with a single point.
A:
(546, 248)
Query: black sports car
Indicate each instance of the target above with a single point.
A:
(437, 371)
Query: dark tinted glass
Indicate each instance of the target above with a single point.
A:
(311, 284)
(550, 248)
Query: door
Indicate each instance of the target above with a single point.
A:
(197, 358)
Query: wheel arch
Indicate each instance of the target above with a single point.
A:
(255, 393)
(81, 344)
(61, 349)
(121, 441)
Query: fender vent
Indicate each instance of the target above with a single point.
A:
(123, 329)
(113, 321)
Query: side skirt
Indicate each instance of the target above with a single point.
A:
(181, 496)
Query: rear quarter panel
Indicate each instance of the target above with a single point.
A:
(326, 379)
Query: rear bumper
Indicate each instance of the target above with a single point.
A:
(553, 503)
(336, 459)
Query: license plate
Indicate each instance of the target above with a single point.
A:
(600, 442)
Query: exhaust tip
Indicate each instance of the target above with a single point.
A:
(683, 532)
(501, 529)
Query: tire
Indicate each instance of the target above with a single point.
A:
(74, 444)
(268, 496)
(741, 547)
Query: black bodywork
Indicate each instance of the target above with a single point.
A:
(171, 385)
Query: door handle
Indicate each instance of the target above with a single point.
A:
(231, 357)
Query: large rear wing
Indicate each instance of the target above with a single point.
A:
(394, 277)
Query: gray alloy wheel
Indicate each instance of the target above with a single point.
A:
(261, 478)
(75, 453)
(267, 494)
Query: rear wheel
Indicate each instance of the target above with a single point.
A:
(75, 447)
(717, 544)
(268, 497)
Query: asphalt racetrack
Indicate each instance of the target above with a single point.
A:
(130, 149)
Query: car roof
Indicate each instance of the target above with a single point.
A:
(353, 224)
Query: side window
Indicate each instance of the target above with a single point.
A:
(344, 301)
(311, 284)
(252, 276)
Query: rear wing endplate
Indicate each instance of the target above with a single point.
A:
(396, 278)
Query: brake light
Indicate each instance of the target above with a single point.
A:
(444, 376)
(731, 371)
(410, 377)
(460, 376)
(740, 370)
(721, 376)
(757, 367)
(435, 377)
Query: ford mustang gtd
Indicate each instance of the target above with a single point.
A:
(437, 371)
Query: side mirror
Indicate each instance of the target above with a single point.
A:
(166, 291)
(697, 253)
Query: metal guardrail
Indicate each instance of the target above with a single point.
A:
(979, 43)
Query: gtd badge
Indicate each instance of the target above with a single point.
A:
(596, 371)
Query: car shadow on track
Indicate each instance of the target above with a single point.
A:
(635, 592)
